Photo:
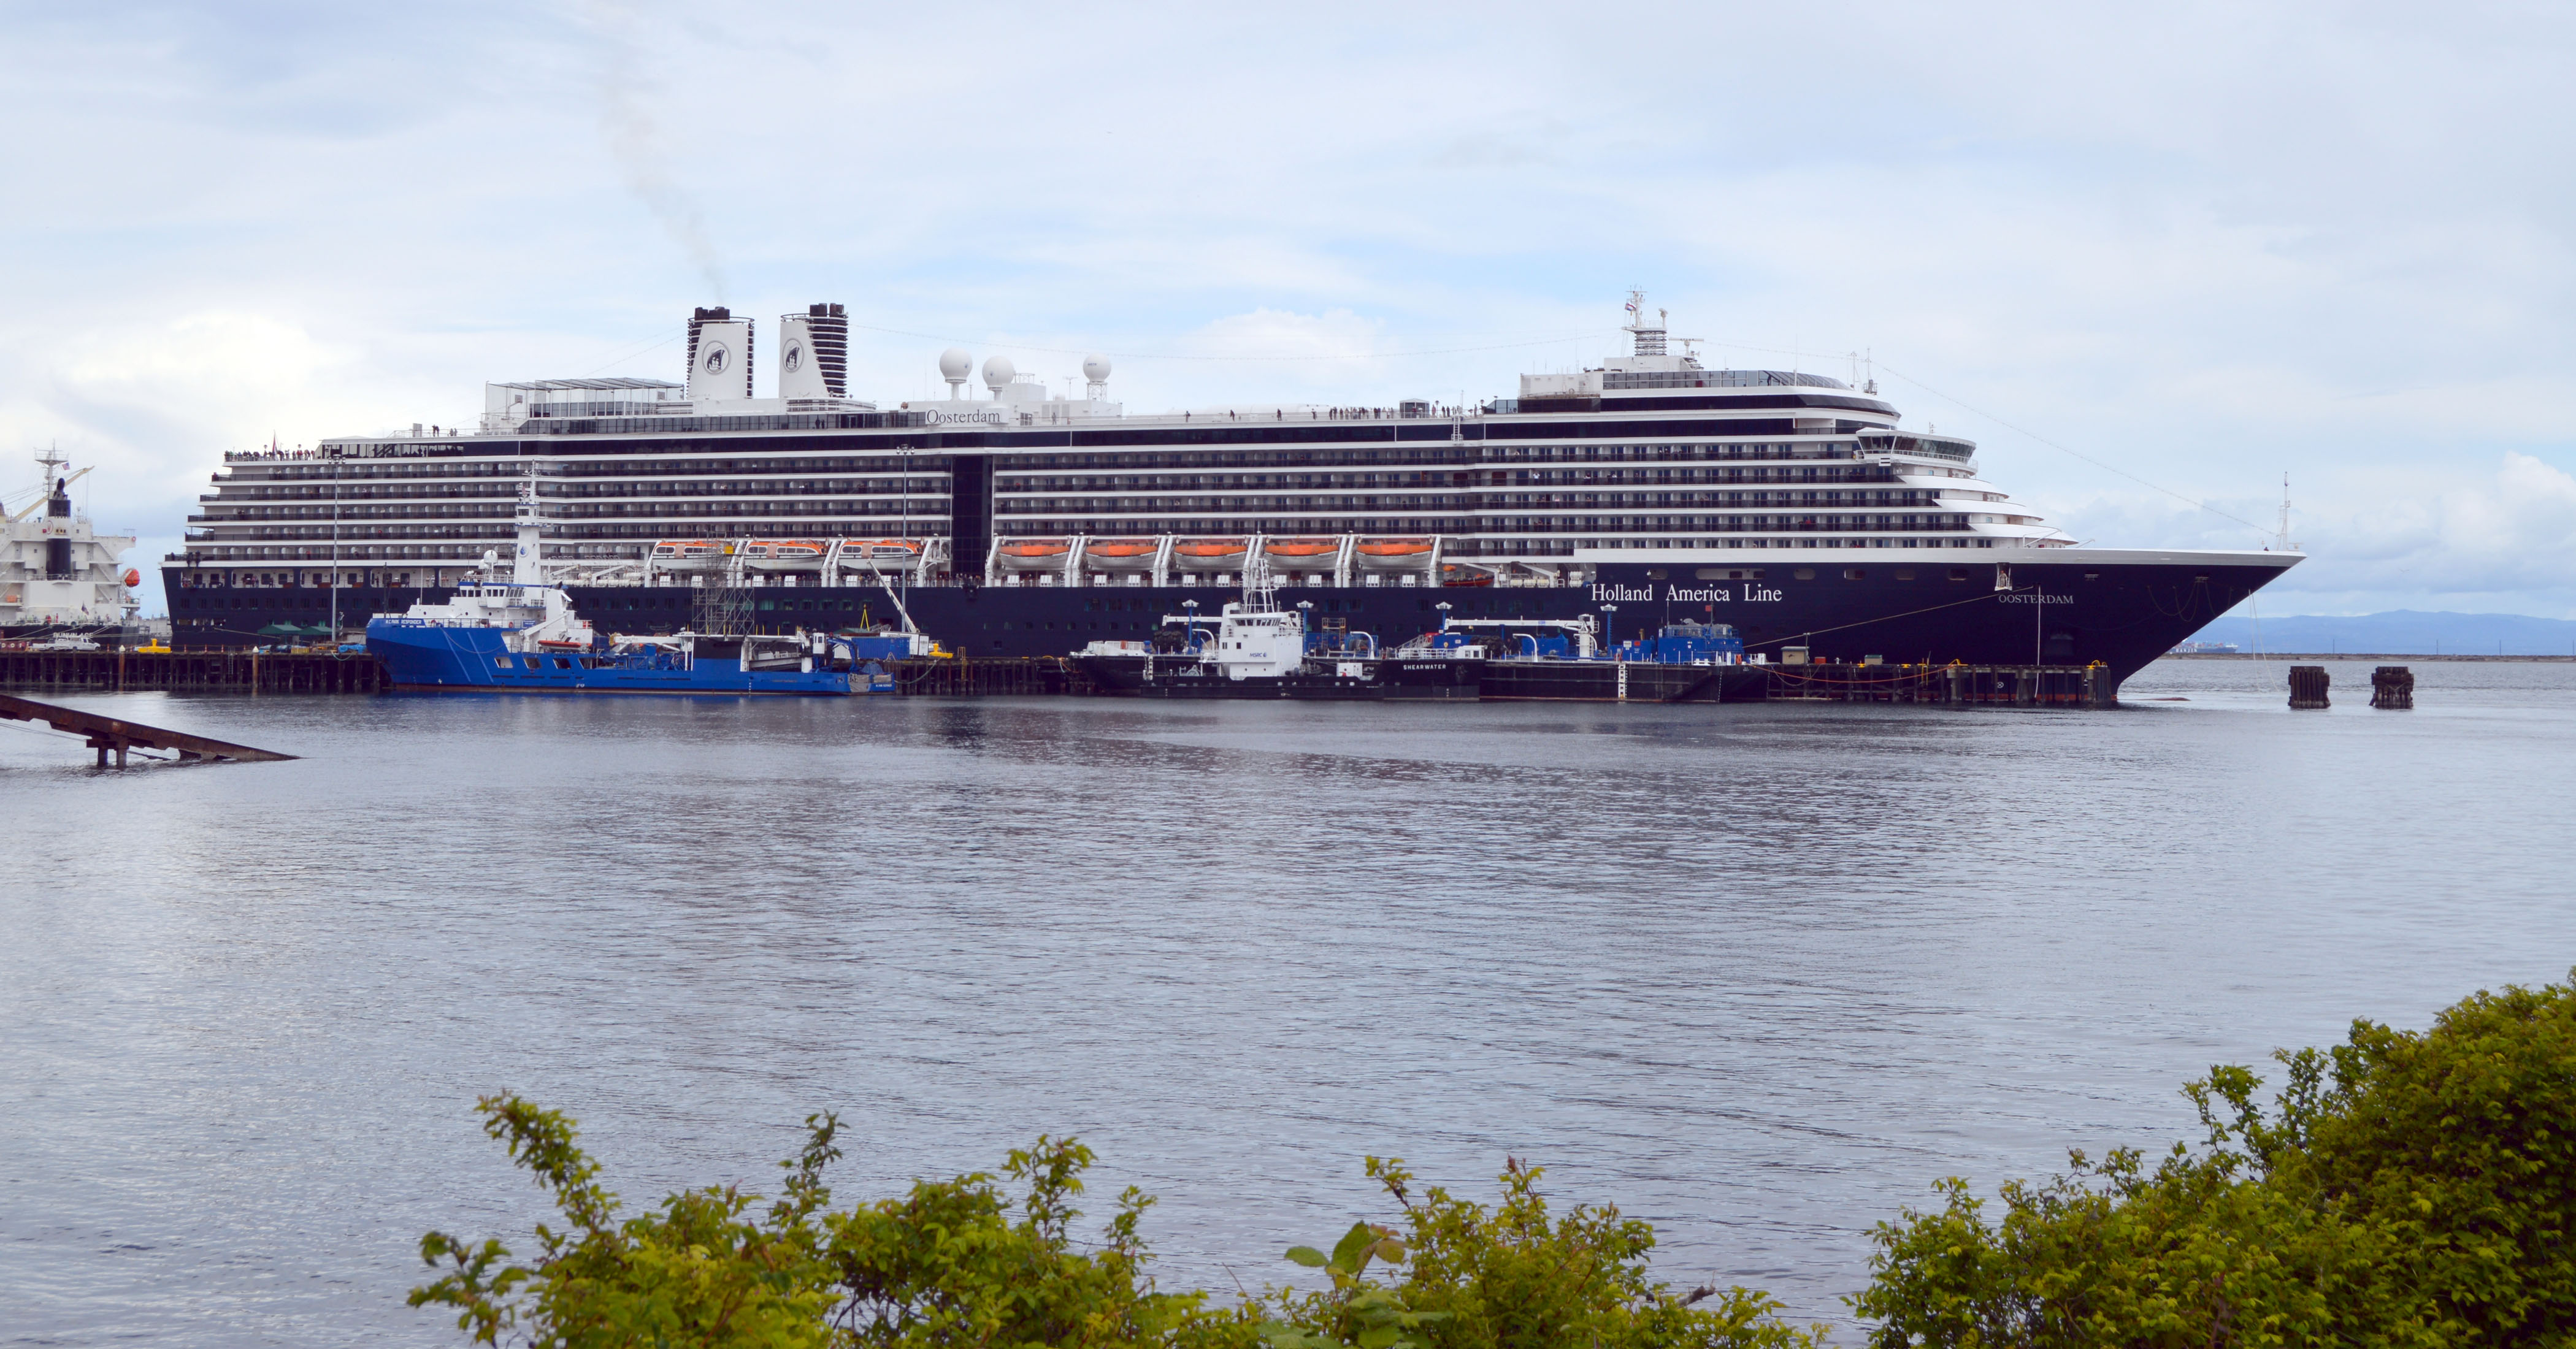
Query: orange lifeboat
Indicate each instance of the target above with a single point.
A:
(1206, 557)
(783, 554)
(1306, 555)
(690, 554)
(1393, 554)
(883, 552)
(1120, 554)
(1034, 554)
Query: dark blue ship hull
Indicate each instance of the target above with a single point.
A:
(2063, 606)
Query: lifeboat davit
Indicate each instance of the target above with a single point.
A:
(1034, 554)
(783, 554)
(1120, 554)
(1206, 557)
(1392, 554)
(1302, 555)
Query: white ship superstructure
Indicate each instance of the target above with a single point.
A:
(1014, 484)
(57, 572)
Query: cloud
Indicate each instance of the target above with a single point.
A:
(2207, 243)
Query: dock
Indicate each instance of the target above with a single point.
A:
(111, 735)
(2059, 686)
(206, 670)
(217, 670)
(972, 678)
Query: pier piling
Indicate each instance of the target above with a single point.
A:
(2308, 687)
(2392, 687)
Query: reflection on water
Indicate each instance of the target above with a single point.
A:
(1759, 974)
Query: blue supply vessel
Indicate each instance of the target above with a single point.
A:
(509, 635)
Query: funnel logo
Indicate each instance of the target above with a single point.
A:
(795, 357)
(714, 363)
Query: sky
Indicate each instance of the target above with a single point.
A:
(2153, 259)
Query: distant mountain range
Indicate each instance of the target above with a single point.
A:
(2404, 632)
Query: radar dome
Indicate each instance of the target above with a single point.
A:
(1095, 367)
(998, 372)
(955, 365)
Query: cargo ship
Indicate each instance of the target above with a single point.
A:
(1649, 490)
(62, 585)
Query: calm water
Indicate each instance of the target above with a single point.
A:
(1760, 974)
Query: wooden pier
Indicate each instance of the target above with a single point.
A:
(209, 670)
(970, 678)
(2060, 686)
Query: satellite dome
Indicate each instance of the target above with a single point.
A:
(955, 364)
(1095, 367)
(998, 371)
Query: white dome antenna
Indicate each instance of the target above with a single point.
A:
(1095, 368)
(998, 374)
(955, 364)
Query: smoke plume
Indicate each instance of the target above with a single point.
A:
(635, 141)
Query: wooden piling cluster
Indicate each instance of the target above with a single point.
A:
(2064, 686)
(2308, 687)
(2393, 687)
(206, 670)
(969, 677)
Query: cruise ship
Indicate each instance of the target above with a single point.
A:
(1013, 520)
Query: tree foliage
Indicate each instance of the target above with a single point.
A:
(2405, 1189)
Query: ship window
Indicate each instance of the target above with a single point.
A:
(562, 663)
(1958, 573)
(1854, 574)
(1905, 573)
(501, 663)
(1805, 573)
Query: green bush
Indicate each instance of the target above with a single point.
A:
(959, 1262)
(1510, 1276)
(2407, 1189)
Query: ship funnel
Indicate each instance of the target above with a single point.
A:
(814, 353)
(719, 356)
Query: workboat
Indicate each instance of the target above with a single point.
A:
(1564, 660)
(1257, 648)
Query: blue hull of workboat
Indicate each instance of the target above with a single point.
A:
(430, 657)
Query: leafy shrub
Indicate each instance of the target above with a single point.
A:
(2407, 1189)
(946, 1264)
(1512, 1277)
(959, 1262)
